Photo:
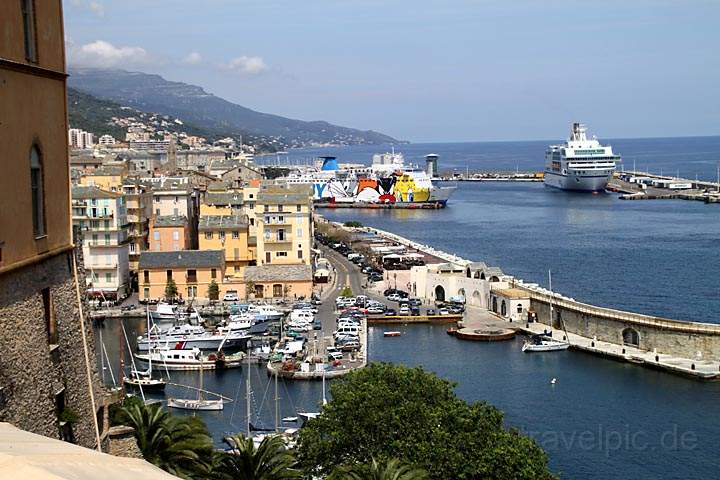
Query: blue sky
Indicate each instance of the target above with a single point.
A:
(428, 70)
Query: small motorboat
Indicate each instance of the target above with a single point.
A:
(452, 331)
(543, 343)
(145, 383)
(290, 419)
(392, 334)
(195, 404)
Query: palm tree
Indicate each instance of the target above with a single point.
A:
(269, 461)
(178, 445)
(393, 469)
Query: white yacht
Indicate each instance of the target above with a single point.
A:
(580, 163)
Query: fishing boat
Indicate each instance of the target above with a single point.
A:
(392, 334)
(165, 312)
(188, 337)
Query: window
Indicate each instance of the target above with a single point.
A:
(300, 254)
(176, 235)
(237, 268)
(267, 208)
(108, 277)
(37, 190)
(49, 314)
(235, 235)
(156, 236)
(28, 14)
(168, 273)
(252, 221)
(146, 292)
(146, 276)
(298, 208)
(299, 232)
(213, 273)
(281, 254)
(281, 219)
(222, 235)
(236, 254)
(208, 235)
(107, 239)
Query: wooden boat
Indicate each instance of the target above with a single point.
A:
(195, 404)
(146, 383)
(544, 345)
(451, 331)
(392, 334)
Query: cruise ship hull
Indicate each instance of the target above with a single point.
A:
(584, 183)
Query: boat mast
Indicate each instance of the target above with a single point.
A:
(247, 396)
(147, 317)
(277, 405)
(200, 390)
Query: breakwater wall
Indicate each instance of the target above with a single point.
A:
(481, 284)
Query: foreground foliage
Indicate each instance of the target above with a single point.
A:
(271, 460)
(390, 411)
(179, 445)
(393, 469)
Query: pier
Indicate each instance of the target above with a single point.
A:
(634, 185)
(680, 347)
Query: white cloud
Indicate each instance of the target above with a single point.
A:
(97, 8)
(247, 65)
(193, 58)
(105, 55)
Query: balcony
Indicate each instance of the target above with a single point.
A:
(102, 266)
(287, 238)
(270, 221)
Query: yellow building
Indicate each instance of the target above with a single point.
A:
(107, 177)
(191, 270)
(230, 234)
(222, 203)
(169, 233)
(138, 200)
(284, 225)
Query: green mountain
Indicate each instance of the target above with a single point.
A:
(193, 104)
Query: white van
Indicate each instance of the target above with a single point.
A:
(302, 316)
(348, 330)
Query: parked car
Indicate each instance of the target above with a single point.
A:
(430, 311)
(335, 355)
(375, 278)
(443, 311)
(390, 312)
(375, 309)
(231, 297)
(404, 310)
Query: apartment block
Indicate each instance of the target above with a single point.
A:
(138, 200)
(169, 233)
(191, 270)
(230, 234)
(101, 218)
(284, 225)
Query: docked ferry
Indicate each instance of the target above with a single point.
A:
(387, 182)
(580, 163)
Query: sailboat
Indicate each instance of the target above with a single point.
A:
(199, 403)
(143, 379)
(310, 415)
(545, 342)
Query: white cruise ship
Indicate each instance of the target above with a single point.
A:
(580, 163)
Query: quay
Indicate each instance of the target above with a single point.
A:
(492, 176)
(497, 301)
(632, 185)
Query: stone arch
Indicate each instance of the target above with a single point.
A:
(494, 304)
(482, 275)
(503, 308)
(631, 337)
(519, 308)
(494, 278)
(468, 273)
(461, 292)
(477, 274)
(476, 295)
(439, 293)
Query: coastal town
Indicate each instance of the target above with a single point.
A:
(176, 302)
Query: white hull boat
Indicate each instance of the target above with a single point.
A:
(545, 345)
(190, 360)
(195, 404)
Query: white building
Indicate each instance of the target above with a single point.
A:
(81, 139)
(101, 217)
(106, 140)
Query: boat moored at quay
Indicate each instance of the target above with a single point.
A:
(580, 164)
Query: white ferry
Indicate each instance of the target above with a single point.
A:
(580, 163)
(387, 182)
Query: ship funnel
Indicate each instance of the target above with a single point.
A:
(431, 167)
(329, 163)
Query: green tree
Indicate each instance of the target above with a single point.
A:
(391, 411)
(346, 292)
(249, 288)
(271, 460)
(213, 290)
(179, 445)
(353, 224)
(171, 290)
(393, 469)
